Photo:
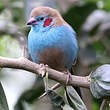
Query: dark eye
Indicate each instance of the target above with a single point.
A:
(41, 18)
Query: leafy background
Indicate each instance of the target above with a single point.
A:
(91, 21)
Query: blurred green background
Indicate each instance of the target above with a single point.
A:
(91, 21)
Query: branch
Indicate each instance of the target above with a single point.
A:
(102, 104)
(25, 64)
(52, 88)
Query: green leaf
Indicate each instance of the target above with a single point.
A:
(57, 100)
(106, 5)
(77, 15)
(8, 50)
(100, 82)
(95, 1)
(1, 5)
(67, 107)
(3, 101)
(74, 99)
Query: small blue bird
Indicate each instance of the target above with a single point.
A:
(51, 40)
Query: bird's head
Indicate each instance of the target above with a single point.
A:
(43, 18)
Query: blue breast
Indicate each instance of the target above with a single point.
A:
(58, 40)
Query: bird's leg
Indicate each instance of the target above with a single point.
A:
(68, 76)
(46, 82)
(23, 52)
(45, 75)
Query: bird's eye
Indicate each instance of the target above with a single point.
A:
(41, 18)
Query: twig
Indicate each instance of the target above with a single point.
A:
(25, 64)
(102, 104)
(52, 88)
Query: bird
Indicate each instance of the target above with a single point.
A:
(51, 40)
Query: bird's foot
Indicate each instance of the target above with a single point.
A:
(68, 76)
(45, 75)
(43, 68)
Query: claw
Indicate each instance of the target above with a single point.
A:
(43, 73)
(68, 76)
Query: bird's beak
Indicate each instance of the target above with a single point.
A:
(32, 21)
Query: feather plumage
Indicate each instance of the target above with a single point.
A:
(55, 44)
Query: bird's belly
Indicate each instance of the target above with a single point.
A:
(54, 58)
(54, 48)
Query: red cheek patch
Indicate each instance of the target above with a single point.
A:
(47, 22)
